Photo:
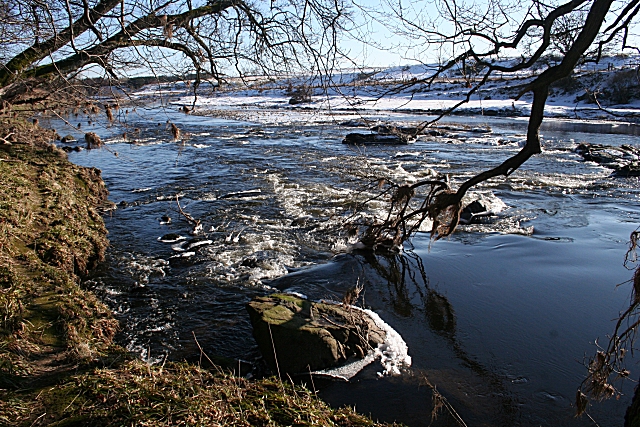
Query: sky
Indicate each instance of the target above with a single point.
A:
(392, 55)
(366, 53)
(370, 43)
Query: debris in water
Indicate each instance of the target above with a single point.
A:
(92, 140)
(243, 194)
(175, 131)
(171, 238)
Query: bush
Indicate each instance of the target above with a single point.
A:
(622, 87)
(568, 84)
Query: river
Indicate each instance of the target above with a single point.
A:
(499, 317)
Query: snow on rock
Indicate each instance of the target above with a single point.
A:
(393, 354)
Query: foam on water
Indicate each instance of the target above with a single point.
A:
(142, 267)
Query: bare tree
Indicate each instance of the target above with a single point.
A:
(483, 35)
(48, 42)
(45, 43)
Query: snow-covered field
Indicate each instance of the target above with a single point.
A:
(400, 89)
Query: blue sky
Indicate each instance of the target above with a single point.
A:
(367, 53)
(392, 52)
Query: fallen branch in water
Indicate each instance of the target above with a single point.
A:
(608, 365)
(197, 226)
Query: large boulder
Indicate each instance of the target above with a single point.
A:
(308, 336)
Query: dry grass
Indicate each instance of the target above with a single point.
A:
(58, 365)
(51, 232)
(175, 394)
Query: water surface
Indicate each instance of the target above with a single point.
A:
(499, 317)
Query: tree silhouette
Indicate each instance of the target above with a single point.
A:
(483, 35)
(47, 42)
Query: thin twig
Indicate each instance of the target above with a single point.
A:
(275, 355)
(7, 136)
(202, 353)
(189, 218)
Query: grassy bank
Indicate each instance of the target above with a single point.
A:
(58, 363)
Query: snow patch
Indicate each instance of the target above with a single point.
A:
(392, 353)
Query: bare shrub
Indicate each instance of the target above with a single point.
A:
(568, 84)
(622, 87)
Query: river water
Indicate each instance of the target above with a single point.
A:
(499, 317)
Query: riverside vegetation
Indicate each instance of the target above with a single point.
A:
(59, 364)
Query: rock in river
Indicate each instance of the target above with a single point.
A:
(375, 138)
(624, 160)
(310, 336)
(478, 207)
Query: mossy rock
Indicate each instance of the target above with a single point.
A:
(296, 335)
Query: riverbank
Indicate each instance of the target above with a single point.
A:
(608, 91)
(59, 364)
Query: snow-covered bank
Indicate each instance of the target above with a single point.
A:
(607, 91)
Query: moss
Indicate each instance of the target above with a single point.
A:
(277, 315)
(300, 302)
(54, 334)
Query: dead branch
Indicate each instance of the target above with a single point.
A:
(187, 216)
(443, 205)
(5, 139)
(608, 365)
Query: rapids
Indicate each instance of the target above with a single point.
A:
(499, 317)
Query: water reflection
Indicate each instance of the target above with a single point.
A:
(405, 273)
(398, 288)
(411, 296)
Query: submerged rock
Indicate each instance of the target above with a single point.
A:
(242, 194)
(171, 238)
(309, 336)
(301, 95)
(624, 160)
(68, 139)
(630, 169)
(375, 138)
